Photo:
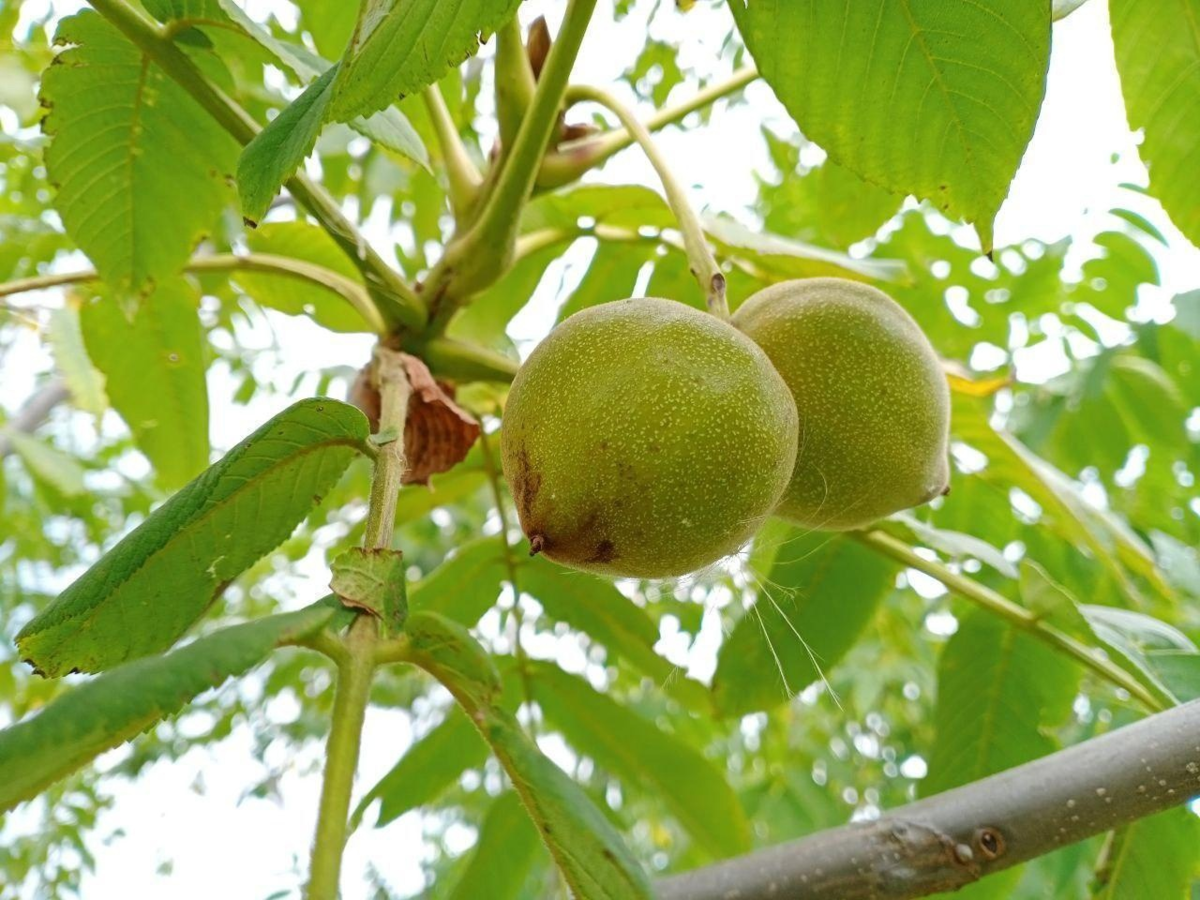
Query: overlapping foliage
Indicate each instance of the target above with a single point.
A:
(814, 679)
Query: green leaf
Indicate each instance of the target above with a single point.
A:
(399, 48)
(1178, 670)
(611, 275)
(1155, 857)
(391, 129)
(966, 79)
(447, 651)
(593, 859)
(140, 166)
(373, 580)
(278, 150)
(641, 753)
(595, 607)
(998, 689)
(104, 713)
(84, 381)
(503, 857)
(1011, 464)
(154, 368)
(814, 602)
(630, 206)
(783, 258)
(427, 769)
(486, 319)
(296, 297)
(465, 585)
(49, 465)
(159, 579)
(1158, 57)
(330, 24)
(591, 855)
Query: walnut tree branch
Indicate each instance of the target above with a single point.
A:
(951, 839)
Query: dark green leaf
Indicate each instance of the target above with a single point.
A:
(431, 765)
(146, 591)
(818, 596)
(591, 855)
(373, 580)
(998, 688)
(503, 856)
(106, 712)
(640, 753)
(278, 150)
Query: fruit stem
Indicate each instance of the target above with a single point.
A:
(461, 173)
(570, 161)
(700, 256)
(1020, 617)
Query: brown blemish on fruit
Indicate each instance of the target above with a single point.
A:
(605, 552)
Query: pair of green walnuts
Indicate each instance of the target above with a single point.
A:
(645, 438)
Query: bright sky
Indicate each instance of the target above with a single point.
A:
(186, 832)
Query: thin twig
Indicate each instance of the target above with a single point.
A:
(700, 256)
(1019, 616)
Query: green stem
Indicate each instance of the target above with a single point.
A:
(570, 161)
(355, 674)
(514, 82)
(398, 303)
(394, 390)
(460, 361)
(356, 666)
(351, 291)
(462, 175)
(700, 256)
(1018, 616)
(477, 257)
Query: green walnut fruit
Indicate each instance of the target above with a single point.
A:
(644, 438)
(873, 400)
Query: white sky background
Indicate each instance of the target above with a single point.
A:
(190, 814)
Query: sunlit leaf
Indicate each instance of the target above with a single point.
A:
(399, 48)
(1158, 56)
(1154, 857)
(505, 853)
(141, 168)
(154, 368)
(967, 80)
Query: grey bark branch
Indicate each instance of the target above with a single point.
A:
(34, 412)
(951, 839)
